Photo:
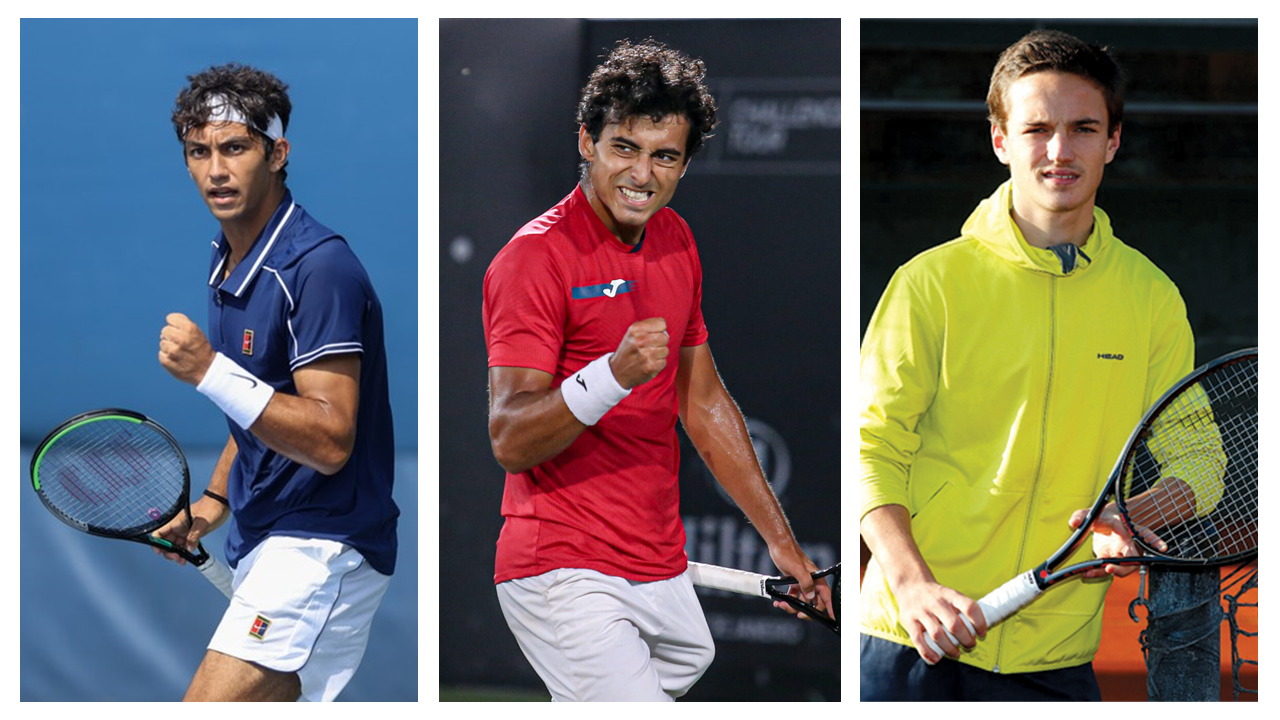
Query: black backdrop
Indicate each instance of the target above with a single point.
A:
(763, 200)
(1183, 188)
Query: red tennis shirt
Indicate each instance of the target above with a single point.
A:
(560, 294)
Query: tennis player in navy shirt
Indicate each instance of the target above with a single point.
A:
(293, 355)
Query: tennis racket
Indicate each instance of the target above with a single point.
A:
(1185, 485)
(118, 474)
(769, 586)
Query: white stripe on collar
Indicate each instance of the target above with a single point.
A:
(262, 256)
(217, 270)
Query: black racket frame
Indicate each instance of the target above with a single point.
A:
(138, 533)
(777, 588)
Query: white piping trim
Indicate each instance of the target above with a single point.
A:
(262, 256)
(288, 321)
(287, 296)
(332, 349)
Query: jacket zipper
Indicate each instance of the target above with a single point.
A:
(1044, 433)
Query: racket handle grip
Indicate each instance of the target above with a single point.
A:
(998, 605)
(1009, 598)
(217, 573)
(728, 579)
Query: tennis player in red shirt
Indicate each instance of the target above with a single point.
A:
(596, 343)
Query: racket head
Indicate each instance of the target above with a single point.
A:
(1190, 473)
(778, 589)
(112, 472)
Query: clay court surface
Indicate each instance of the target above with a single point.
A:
(1121, 672)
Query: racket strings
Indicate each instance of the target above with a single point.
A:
(110, 474)
(1194, 482)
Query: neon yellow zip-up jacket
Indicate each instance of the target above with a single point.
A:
(997, 391)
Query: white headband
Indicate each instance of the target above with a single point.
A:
(221, 110)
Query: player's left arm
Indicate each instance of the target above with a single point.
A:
(716, 426)
(316, 427)
(1171, 357)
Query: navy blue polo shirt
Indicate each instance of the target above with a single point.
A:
(300, 295)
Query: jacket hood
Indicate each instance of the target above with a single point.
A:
(991, 223)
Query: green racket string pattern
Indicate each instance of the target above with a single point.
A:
(112, 475)
(1193, 481)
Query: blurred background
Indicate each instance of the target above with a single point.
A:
(1183, 188)
(114, 236)
(763, 200)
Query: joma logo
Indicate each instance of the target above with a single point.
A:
(1110, 356)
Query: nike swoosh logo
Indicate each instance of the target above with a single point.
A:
(612, 291)
(246, 377)
(581, 382)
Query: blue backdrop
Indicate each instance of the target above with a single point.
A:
(114, 237)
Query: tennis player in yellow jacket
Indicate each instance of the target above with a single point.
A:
(1000, 375)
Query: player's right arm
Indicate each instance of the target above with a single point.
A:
(900, 366)
(924, 605)
(207, 513)
(530, 422)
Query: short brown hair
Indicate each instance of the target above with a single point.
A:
(1051, 50)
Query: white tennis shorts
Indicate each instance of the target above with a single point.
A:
(302, 605)
(591, 636)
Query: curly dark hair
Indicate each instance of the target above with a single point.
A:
(256, 94)
(1051, 50)
(652, 81)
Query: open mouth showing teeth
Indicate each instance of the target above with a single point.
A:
(638, 196)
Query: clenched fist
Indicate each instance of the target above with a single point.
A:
(184, 350)
(642, 354)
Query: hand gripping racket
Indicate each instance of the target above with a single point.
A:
(1185, 485)
(769, 586)
(118, 474)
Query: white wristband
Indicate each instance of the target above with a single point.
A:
(592, 391)
(235, 390)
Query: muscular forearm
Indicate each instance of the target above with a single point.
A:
(309, 431)
(530, 422)
(719, 432)
(716, 427)
(530, 427)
